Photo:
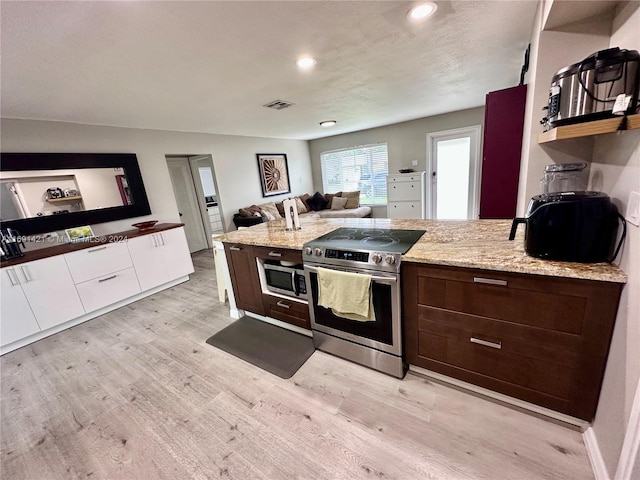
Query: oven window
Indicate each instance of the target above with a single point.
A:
(380, 330)
(278, 279)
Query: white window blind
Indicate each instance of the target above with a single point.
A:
(363, 168)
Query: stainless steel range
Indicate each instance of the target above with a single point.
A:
(368, 251)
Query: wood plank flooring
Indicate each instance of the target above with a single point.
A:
(138, 394)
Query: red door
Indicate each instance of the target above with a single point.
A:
(502, 147)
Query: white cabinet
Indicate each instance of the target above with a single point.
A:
(36, 296)
(16, 317)
(160, 257)
(405, 195)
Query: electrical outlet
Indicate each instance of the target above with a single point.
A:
(633, 209)
(414, 163)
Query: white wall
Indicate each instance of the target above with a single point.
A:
(234, 160)
(406, 141)
(614, 169)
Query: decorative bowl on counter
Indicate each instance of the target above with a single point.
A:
(148, 225)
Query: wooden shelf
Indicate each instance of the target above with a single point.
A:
(608, 125)
(63, 199)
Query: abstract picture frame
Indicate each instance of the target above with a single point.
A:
(274, 173)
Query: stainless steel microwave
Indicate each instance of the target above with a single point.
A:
(285, 280)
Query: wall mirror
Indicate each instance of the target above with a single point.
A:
(44, 192)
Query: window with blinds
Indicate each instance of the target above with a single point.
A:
(363, 168)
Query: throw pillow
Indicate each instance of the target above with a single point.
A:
(249, 211)
(339, 203)
(271, 208)
(280, 208)
(268, 215)
(305, 200)
(353, 199)
(317, 202)
(329, 197)
(300, 206)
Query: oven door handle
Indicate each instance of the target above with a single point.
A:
(374, 278)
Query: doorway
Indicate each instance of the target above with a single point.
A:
(195, 190)
(453, 159)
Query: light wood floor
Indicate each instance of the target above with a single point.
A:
(138, 394)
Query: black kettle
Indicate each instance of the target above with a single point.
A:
(10, 243)
(572, 227)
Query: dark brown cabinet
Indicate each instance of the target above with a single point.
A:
(541, 339)
(289, 311)
(244, 277)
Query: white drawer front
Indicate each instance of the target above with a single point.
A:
(404, 210)
(404, 191)
(108, 289)
(414, 177)
(98, 261)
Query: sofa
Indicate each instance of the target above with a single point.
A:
(317, 205)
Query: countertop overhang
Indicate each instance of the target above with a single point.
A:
(482, 244)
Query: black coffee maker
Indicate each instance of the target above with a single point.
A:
(10, 243)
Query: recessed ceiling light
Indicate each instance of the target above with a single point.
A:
(305, 63)
(422, 11)
(328, 123)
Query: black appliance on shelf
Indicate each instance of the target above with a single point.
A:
(572, 226)
(587, 90)
(10, 243)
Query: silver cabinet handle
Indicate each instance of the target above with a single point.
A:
(96, 249)
(155, 240)
(496, 345)
(13, 282)
(275, 254)
(490, 281)
(108, 278)
(235, 249)
(26, 277)
(283, 305)
(162, 239)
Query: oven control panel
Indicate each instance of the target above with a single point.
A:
(347, 255)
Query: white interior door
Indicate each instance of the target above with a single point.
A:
(454, 166)
(205, 180)
(188, 205)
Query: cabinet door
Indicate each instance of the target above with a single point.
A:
(402, 191)
(244, 277)
(175, 252)
(16, 318)
(109, 289)
(50, 291)
(146, 254)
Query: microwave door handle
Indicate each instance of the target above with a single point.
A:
(295, 284)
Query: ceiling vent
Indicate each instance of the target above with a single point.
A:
(278, 104)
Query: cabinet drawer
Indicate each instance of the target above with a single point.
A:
(289, 311)
(108, 289)
(414, 177)
(545, 302)
(98, 261)
(287, 255)
(403, 191)
(404, 210)
(529, 357)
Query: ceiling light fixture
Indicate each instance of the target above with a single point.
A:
(422, 11)
(328, 123)
(306, 63)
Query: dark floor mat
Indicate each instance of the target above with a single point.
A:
(274, 349)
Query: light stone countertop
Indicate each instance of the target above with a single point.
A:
(482, 244)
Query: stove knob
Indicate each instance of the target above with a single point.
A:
(308, 250)
(317, 251)
(390, 260)
(376, 257)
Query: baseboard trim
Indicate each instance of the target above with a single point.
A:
(595, 457)
(515, 402)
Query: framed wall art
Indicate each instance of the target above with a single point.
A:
(274, 173)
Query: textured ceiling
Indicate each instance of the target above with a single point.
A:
(210, 66)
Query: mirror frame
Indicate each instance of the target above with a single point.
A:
(57, 161)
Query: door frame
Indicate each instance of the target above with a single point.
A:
(473, 132)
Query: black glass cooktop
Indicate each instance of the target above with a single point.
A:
(374, 239)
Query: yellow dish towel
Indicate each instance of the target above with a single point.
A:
(347, 294)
